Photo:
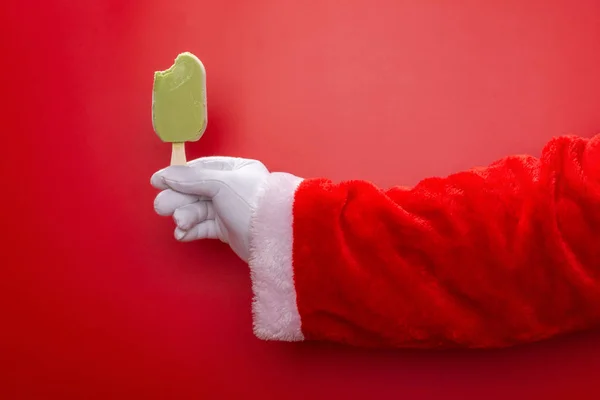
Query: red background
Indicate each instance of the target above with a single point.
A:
(99, 301)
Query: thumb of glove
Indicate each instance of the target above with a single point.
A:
(189, 180)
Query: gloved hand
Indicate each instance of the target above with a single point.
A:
(211, 198)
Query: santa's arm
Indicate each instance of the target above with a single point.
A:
(489, 257)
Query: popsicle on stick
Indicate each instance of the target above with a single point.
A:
(179, 104)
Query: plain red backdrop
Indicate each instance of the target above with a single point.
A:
(99, 301)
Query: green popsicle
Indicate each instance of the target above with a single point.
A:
(179, 104)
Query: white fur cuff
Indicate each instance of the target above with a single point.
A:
(274, 306)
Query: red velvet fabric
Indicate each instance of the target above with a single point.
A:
(489, 257)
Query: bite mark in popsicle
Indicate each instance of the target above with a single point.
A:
(179, 104)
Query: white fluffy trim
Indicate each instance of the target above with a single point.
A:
(274, 306)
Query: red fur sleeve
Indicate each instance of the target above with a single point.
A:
(490, 257)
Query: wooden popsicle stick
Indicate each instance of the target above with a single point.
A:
(178, 154)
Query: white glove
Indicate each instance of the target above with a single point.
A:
(211, 198)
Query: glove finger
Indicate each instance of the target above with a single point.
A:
(157, 179)
(204, 230)
(167, 201)
(192, 214)
(157, 182)
(207, 163)
(194, 181)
